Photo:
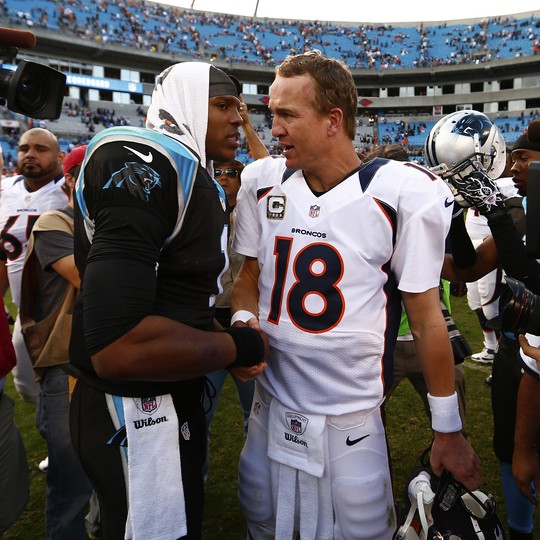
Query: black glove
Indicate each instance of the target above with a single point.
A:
(477, 190)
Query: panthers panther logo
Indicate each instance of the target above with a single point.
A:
(163, 76)
(137, 178)
(473, 124)
(171, 125)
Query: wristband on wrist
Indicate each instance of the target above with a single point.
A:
(242, 315)
(445, 413)
(249, 346)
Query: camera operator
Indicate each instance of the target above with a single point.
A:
(504, 247)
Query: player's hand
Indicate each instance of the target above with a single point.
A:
(244, 113)
(452, 452)
(244, 374)
(247, 373)
(477, 190)
(530, 350)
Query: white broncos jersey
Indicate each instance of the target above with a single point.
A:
(330, 269)
(19, 210)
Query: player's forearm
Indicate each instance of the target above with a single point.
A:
(160, 349)
(245, 291)
(430, 334)
(466, 263)
(256, 146)
(437, 361)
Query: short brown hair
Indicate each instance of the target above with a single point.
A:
(389, 151)
(334, 84)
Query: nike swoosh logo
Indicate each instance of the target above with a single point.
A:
(352, 442)
(448, 203)
(146, 158)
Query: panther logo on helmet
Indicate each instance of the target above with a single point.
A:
(472, 125)
(462, 143)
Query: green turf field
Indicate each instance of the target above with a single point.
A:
(408, 433)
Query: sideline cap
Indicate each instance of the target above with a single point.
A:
(74, 158)
(222, 84)
(524, 143)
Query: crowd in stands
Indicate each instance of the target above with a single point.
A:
(101, 116)
(370, 131)
(160, 29)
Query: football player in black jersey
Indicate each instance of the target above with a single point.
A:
(150, 244)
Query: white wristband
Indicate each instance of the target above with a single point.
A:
(445, 413)
(243, 316)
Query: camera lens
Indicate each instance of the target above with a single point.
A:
(33, 90)
(31, 93)
(519, 308)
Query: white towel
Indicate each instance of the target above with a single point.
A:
(298, 446)
(157, 509)
(179, 106)
(297, 439)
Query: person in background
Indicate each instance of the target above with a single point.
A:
(503, 247)
(228, 175)
(49, 287)
(24, 197)
(526, 463)
(14, 477)
(483, 294)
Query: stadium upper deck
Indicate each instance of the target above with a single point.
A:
(158, 29)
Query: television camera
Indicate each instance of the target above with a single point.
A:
(32, 89)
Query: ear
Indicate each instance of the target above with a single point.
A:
(335, 117)
(70, 181)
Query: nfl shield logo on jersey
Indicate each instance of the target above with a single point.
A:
(186, 433)
(148, 405)
(314, 210)
(296, 422)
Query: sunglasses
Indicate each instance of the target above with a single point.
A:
(232, 173)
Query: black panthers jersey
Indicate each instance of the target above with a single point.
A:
(151, 228)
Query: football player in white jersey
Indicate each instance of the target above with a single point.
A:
(331, 247)
(24, 197)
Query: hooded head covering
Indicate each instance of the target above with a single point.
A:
(179, 106)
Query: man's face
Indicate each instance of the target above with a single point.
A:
(228, 176)
(223, 134)
(301, 130)
(521, 159)
(38, 156)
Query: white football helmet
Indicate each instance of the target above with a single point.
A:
(443, 509)
(464, 142)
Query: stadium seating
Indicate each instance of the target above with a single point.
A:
(156, 28)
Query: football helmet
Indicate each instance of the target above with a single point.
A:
(464, 142)
(443, 509)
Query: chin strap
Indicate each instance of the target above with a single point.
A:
(421, 496)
